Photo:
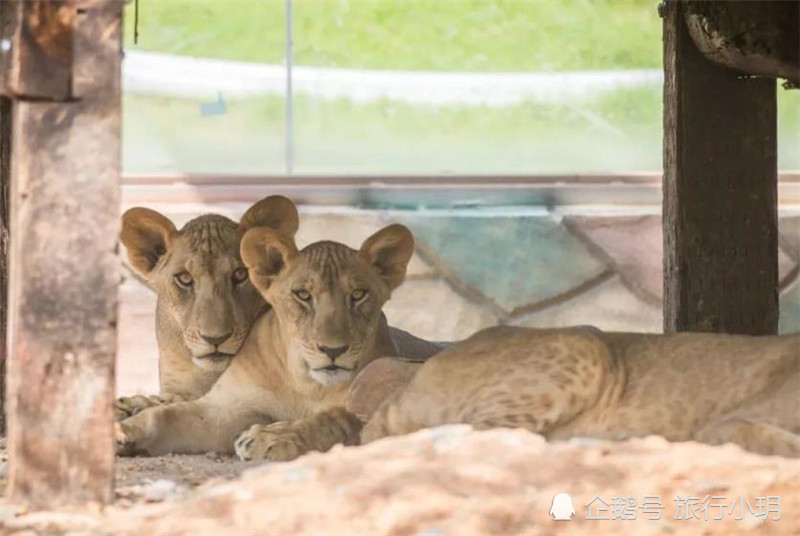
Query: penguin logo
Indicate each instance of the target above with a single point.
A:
(562, 509)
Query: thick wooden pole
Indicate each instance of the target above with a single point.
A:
(65, 169)
(720, 192)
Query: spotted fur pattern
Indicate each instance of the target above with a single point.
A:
(583, 382)
(564, 383)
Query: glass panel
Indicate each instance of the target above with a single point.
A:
(788, 129)
(428, 87)
(401, 86)
(204, 89)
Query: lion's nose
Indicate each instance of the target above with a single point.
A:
(333, 353)
(216, 341)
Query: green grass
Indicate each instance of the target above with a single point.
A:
(615, 133)
(390, 137)
(448, 35)
(788, 129)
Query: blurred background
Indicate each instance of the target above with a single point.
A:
(521, 142)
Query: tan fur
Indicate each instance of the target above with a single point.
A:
(583, 382)
(572, 382)
(325, 297)
(220, 303)
(558, 382)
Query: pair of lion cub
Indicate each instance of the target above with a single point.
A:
(311, 373)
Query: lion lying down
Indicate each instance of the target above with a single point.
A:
(572, 382)
(206, 302)
(326, 325)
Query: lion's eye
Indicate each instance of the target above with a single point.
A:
(358, 295)
(302, 295)
(239, 276)
(184, 279)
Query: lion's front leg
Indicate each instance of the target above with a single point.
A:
(128, 406)
(194, 427)
(285, 441)
(163, 429)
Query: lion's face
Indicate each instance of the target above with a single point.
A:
(205, 296)
(328, 297)
(203, 287)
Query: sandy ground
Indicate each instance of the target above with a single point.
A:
(145, 479)
(447, 481)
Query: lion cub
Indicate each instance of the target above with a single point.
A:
(579, 381)
(325, 325)
(206, 303)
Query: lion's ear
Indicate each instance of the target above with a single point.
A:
(146, 235)
(389, 252)
(266, 253)
(276, 212)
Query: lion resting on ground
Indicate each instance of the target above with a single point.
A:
(571, 382)
(206, 303)
(325, 325)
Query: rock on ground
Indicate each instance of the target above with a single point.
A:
(455, 481)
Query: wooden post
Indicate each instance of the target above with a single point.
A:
(5, 194)
(65, 168)
(720, 192)
(5, 183)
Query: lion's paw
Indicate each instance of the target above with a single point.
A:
(277, 442)
(128, 406)
(123, 439)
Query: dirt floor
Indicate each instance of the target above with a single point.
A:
(158, 478)
(447, 481)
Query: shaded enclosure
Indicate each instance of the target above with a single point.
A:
(60, 154)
